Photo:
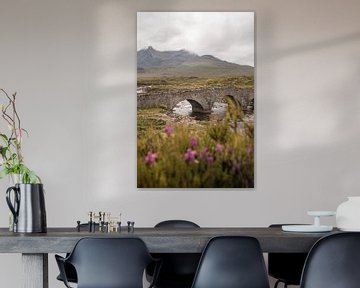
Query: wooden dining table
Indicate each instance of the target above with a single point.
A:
(35, 247)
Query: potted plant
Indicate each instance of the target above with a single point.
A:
(11, 158)
(26, 198)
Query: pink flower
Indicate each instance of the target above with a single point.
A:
(236, 167)
(190, 155)
(193, 142)
(219, 148)
(210, 159)
(168, 129)
(150, 158)
(203, 153)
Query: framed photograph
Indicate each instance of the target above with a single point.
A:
(195, 99)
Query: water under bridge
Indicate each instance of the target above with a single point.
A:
(201, 99)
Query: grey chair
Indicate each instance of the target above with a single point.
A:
(108, 263)
(286, 267)
(333, 262)
(232, 262)
(178, 269)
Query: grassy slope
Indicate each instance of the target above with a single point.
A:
(158, 84)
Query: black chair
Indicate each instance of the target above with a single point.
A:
(176, 224)
(286, 267)
(232, 262)
(108, 263)
(69, 269)
(178, 269)
(333, 262)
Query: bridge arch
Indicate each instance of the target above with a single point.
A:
(196, 106)
(189, 106)
(246, 104)
(199, 103)
(201, 99)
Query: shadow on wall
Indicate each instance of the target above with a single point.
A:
(310, 47)
(312, 132)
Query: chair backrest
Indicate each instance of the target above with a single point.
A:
(286, 267)
(333, 262)
(232, 262)
(178, 269)
(110, 262)
(176, 224)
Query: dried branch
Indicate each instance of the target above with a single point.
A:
(11, 156)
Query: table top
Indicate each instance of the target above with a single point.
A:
(158, 240)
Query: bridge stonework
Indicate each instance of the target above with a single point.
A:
(201, 100)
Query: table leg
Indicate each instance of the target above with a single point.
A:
(35, 270)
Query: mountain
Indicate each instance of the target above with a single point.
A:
(154, 63)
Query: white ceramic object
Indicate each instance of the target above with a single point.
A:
(348, 214)
(318, 214)
(306, 228)
(316, 227)
(321, 213)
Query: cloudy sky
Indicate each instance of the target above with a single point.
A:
(226, 35)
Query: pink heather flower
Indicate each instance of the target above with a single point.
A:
(168, 129)
(203, 153)
(236, 167)
(193, 142)
(190, 155)
(219, 148)
(210, 159)
(150, 158)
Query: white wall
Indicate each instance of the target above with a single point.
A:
(73, 66)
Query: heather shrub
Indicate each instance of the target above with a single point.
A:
(209, 156)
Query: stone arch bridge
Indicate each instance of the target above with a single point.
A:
(201, 99)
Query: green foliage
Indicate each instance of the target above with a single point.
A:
(234, 112)
(219, 132)
(144, 124)
(26, 175)
(150, 119)
(212, 157)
